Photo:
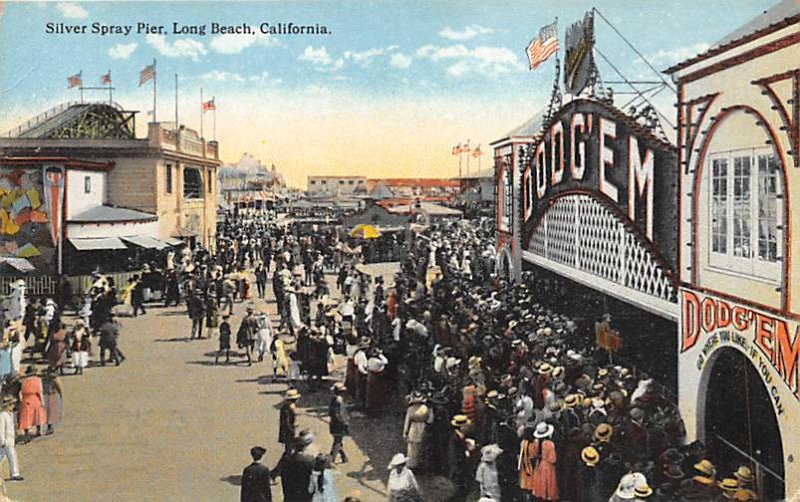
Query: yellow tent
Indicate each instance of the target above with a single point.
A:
(365, 232)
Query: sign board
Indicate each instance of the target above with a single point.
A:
(578, 62)
(771, 342)
(593, 147)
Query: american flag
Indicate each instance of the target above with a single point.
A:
(75, 80)
(543, 46)
(147, 73)
(209, 105)
(106, 79)
(477, 152)
(457, 149)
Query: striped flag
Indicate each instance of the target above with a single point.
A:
(106, 79)
(477, 152)
(75, 80)
(209, 105)
(147, 73)
(457, 149)
(543, 46)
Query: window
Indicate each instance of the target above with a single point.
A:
(313, 182)
(746, 217)
(508, 199)
(350, 182)
(210, 183)
(192, 183)
(87, 184)
(341, 182)
(169, 178)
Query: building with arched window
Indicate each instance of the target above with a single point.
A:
(739, 262)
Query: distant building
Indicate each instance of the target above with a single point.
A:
(249, 183)
(170, 174)
(326, 186)
(412, 187)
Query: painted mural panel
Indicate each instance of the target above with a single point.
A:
(25, 230)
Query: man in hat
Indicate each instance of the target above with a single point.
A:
(8, 435)
(340, 421)
(256, 479)
(246, 336)
(288, 419)
(458, 458)
(295, 468)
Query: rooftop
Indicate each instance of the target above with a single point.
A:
(108, 214)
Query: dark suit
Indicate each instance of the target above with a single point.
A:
(296, 472)
(288, 426)
(255, 484)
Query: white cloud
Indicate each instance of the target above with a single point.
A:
(222, 76)
(71, 10)
(182, 47)
(122, 51)
(468, 33)
(400, 60)
(321, 59)
(676, 55)
(364, 58)
(234, 44)
(489, 61)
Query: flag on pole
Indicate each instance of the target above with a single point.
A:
(209, 105)
(543, 46)
(465, 148)
(477, 152)
(75, 80)
(457, 149)
(147, 73)
(106, 79)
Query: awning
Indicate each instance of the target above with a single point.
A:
(20, 264)
(172, 241)
(145, 241)
(97, 243)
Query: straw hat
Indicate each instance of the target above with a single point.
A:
(642, 491)
(603, 432)
(590, 456)
(706, 467)
(626, 487)
(558, 372)
(416, 397)
(729, 485)
(545, 369)
(398, 459)
(460, 421)
(475, 362)
(572, 400)
(490, 452)
(744, 474)
(543, 430)
(292, 394)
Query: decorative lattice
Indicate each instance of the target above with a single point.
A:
(580, 232)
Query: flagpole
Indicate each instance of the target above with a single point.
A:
(468, 154)
(459, 160)
(110, 93)
(80, 76)
(213, 100)
(176, 103)
(201, 112)
(155, 76)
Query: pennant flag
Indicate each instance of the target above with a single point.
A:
(147, 73)
(106, 79)
(543, 46)
(457, 149)
(477, 152)
(75, 80)
(209, 105)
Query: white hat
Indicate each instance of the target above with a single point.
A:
(626, 487)
(543, 430)
(398, 459)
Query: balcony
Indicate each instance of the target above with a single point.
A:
(164, 135)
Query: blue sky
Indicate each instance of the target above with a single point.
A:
(394, 86)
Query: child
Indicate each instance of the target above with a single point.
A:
(320, 484)
(224, 340)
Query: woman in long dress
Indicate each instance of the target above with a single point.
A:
(57, 349)
(53, 399)
(263, 335)
(31, 410)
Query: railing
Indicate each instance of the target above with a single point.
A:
(44, 116)
(35, 285)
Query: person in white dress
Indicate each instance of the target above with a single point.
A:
(8, 438)
(263, 335)
(402, 485)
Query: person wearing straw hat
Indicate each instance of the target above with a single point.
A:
(8, 436)
(418, 417)
(402, 485)
(288, 419)
(340, 421)
(458, 455)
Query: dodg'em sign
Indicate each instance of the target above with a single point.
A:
(591, 147)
